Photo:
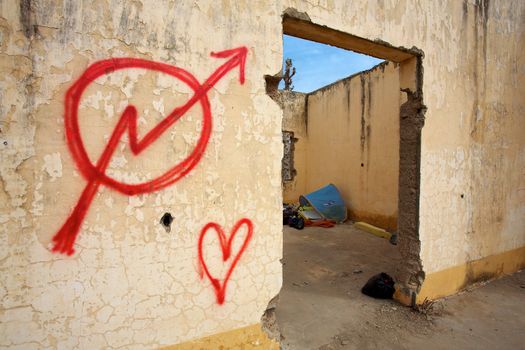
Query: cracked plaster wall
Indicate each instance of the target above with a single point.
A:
(473, 142)
(132, 285)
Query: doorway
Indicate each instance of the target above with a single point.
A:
(361, 134)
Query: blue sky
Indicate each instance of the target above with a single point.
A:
(318, 65)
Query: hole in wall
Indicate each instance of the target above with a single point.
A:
(166, 221)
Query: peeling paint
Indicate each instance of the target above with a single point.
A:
(53, 165)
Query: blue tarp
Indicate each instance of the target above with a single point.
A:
(326, 201)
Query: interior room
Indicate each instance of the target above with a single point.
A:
(345, 135)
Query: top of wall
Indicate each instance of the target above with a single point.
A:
(381, 66)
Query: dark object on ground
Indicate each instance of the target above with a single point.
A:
(380, 286)
(296, 222)
(288, 211)
(393, 238)
(292, 218)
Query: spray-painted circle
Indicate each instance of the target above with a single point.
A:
(93, 173)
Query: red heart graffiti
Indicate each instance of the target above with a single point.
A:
(226, 245)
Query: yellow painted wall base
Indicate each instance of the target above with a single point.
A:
(246, 338)
(454, 279)
(386, 222)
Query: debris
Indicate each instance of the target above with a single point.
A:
(291, 217)
(304, 283)
(428, 308)
(358, 271)
(320, 223)
(393, 238)
(269, 321)
(327, 202)
(296, 222)
(309, 213)
(380, 286)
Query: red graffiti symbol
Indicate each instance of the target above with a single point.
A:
(226, 246)
(95, 174)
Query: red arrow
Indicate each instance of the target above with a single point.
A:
(96, 175)
(238, 58)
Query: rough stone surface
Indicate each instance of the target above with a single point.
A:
(293, 105)
(411, 122)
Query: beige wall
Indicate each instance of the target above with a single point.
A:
(473, 142)
(132, 284)
(353, 142)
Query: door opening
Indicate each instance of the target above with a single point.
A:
(362, 134)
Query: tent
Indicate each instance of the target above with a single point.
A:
(328, 202)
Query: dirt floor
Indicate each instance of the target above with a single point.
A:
(321, 307)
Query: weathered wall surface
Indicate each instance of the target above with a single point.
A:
(132, 284)
(353, 142)
(473, 150)
(293, 105)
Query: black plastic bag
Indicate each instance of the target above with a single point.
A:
(291, 217)
(380, 286)
(288, 212)
(296, 222)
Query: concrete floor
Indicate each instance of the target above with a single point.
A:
(321, 307)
